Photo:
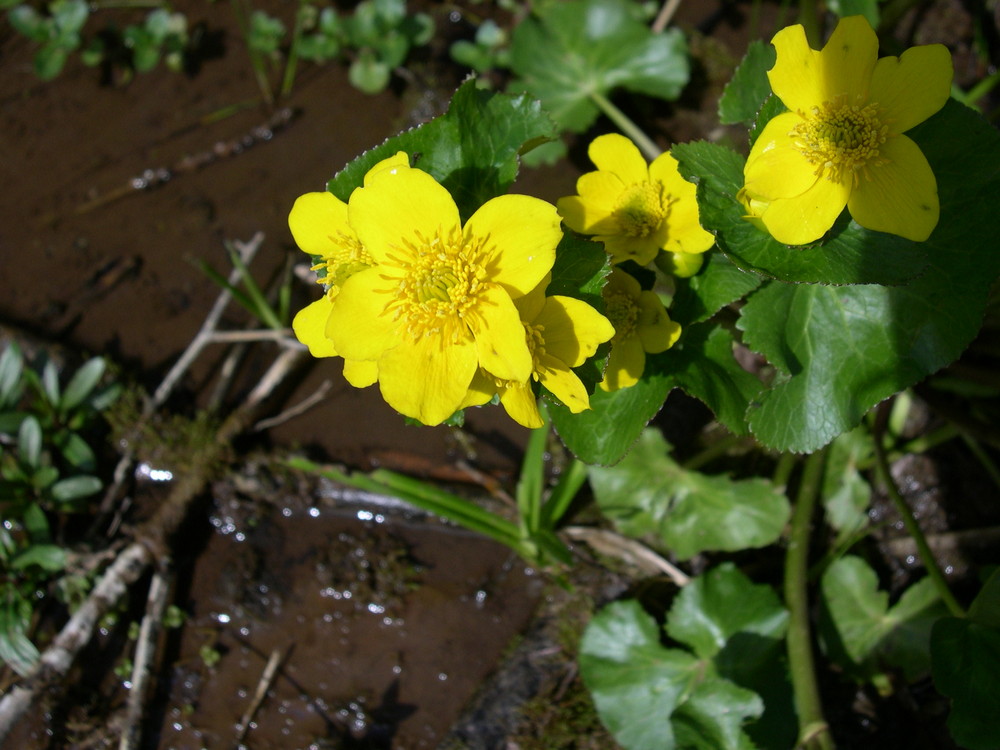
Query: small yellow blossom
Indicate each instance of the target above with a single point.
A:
(642, 327)
(634, 209)
(320, 227)
(562, 333)
(842, 143)
(436, 302)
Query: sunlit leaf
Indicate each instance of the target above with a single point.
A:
(745, 93)
(649, 495)
(573, 50)
(654, 698)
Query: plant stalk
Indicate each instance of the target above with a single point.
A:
(915, 532)
(649, 149)
(814, 734)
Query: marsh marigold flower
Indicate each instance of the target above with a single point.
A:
(320, 227)
(842, 143)
(635, 209)
(561, 333)
(436, 301)
(642, 327)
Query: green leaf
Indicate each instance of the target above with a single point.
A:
(50, 60)
(572, 51)
(50, 382)
(716, 285)
(581, 270)
(744, 95)
(702, 364)
(653, 698)
(29, 442)
(472, 149)
(845, 492)
(11, 369)
(82, 383)
(849, 255)
(688, 512)
(965, 658)
(864, 629)
(49, 557)
(866, 8)
(15, 616)
(368, 74)
(69, 17)
(703, 617)
(985, 607)
(29, 22)
(846, 349)
(605, 433)
(75, 488)
(77, 452)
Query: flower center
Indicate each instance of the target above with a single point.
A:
(641, 209)
(841, 140)
(349, 258)
(441, 279)
(623, 313)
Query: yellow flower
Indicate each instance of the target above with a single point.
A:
(642, 327)
(634, 209)
(320, 227)
(842, 143)
(437, 302)
(561, 333)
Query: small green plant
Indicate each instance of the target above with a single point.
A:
(47, 466)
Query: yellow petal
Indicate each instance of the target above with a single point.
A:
(520, 404)
(399, 159)
(848, 60)
(427, 379)
(795, 77)
(617, 154)
(564, 384)
(901, 196)
(621, 247)
(522, 233)
(316, 220)
(592, 211)
(532, 303)
(807, 217)
(910, 88)
(358, 324)
(360, 374)
(625, 364)
(309, 326)
(655, 329)
(500, 339)
(775, 167)
(400, 205)
(481, 390)
(572, 329)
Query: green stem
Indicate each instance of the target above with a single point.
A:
(983, 458)
(291, 64)
(625, 124)
(786, 463)
(814, 734)
(914, 530)
(810, 22)
(712, 452)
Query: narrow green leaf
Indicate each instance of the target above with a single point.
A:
(11, 368)
(49, 557)
(78, 453)
(50, 382)
(15, 649)
(82, 383)
(75, 488)
(648, 494)
(29, 441)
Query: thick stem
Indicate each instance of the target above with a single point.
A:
(914, 530)
(814, 734)
(625, 124)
